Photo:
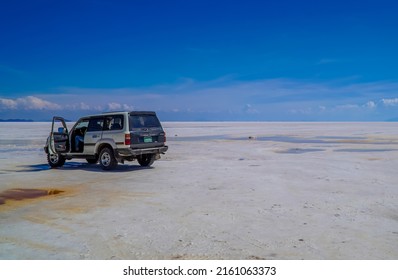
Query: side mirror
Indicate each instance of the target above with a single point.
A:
(61, 130)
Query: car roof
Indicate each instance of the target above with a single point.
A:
(120, 112)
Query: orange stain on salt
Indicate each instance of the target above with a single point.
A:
(21, 194)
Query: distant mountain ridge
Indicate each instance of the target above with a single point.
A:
(16, 120)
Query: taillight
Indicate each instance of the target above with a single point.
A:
(127, 139)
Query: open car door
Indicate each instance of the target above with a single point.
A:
(59, 137)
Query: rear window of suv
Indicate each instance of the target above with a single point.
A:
(140, 121)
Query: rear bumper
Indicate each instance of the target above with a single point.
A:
(128, 152)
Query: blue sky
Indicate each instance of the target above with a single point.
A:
(200, 60)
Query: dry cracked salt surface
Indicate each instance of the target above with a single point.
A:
(222, 191)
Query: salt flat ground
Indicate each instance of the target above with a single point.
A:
(222, 191)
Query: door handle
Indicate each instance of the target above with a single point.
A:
(95, 136)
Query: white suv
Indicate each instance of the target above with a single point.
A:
(108, 138)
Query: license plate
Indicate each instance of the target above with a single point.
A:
(147, 139)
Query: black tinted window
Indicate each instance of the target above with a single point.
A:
(139, 121)
(114, 122)
(95, 124)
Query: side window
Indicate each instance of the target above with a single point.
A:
(114, 122)
(82, 123)
(95, 124)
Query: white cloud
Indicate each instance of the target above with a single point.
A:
(35, 103)
(8, 104)
(302, 111)
(84, 106)
(347, 107)
(390, 102)
(274, 99)
(128, 107)
(79, 106)
(113, 106)
(370, 105)
(28, 103)
(267, 96)
(248, 109)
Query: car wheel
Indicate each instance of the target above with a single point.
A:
(55, 160)
(107, 159)
(146, 160)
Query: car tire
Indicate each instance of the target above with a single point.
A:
(107, 159)
(92, 160)
(55, 160)
(146, 159)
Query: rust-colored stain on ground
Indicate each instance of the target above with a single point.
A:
(21, 194)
